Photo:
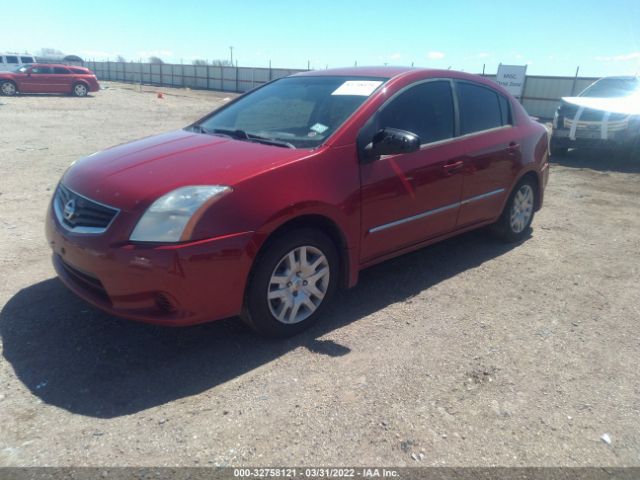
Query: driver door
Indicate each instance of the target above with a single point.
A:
(37, 80)
(411, 197)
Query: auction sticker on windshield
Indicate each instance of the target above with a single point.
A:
(363, 88)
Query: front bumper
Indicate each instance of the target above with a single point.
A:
(593, 138)
(172, 285)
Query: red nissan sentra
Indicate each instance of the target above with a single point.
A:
(269, 204)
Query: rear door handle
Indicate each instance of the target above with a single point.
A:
(513, 148)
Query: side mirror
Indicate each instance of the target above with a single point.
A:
(391, 141)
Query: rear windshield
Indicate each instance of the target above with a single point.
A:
(300, 111)
(612, 87)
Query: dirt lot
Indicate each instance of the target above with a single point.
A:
(469, 352)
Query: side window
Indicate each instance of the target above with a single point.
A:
(11, 59)
(426, 110)
(505, 110)
(41, 70)
(26, 59)
(60, 71)
(479, 108)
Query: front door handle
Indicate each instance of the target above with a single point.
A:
(453, 167)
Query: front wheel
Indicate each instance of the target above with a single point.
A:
(292, 282)
(80, 90)
(8, 88)
(513, 225)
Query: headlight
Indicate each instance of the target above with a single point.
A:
(169, 218)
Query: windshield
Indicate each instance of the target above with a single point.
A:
(300, 112)
(20, 68)
(612, 87)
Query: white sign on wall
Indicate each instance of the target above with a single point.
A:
(511, 77)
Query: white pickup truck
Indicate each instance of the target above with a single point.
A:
(605, 115)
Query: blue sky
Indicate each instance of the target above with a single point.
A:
(552, 36)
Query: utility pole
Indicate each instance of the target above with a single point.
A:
(231, 50)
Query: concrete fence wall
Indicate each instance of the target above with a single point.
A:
(541, 93)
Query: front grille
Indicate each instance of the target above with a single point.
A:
(81, 214)
(588, 114)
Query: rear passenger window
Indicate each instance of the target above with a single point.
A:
(479, 108)
(60, 71)
(426, 110)
(505, 110)
(11, 59)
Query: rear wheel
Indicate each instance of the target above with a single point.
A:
(8, 88)
(513, 225)
(80, 90)
(292, 282)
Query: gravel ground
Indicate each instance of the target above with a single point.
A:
(469, 352)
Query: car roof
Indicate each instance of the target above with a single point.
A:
(56, 65)
(621, 77)
(394, 72)
(386, 72)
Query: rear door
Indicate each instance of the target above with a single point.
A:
(62, 80)
(492, 151)
(411, 197)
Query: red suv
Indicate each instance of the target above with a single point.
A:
(49, 78)
(267, 205)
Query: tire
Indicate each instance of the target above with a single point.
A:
(513, 225)
(280, 293)
(555, 150)
(8, 88)
(79, 90)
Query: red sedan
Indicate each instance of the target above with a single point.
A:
(266, 206)
(49, 78)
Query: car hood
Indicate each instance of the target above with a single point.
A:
(626, 105)
(133, 175)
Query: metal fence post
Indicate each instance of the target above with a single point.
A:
(575, 80)
(237, 78)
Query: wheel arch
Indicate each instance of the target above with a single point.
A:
(318, 222)
(80, 81)
(534, 176)
(13, 82)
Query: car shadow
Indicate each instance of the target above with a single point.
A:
(600, 159)
(76, 357)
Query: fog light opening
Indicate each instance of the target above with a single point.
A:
(165, 303)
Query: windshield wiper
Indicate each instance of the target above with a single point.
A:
(242, 135)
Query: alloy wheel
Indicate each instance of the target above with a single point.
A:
(298, 284)
(8, 88)
(522, 208)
